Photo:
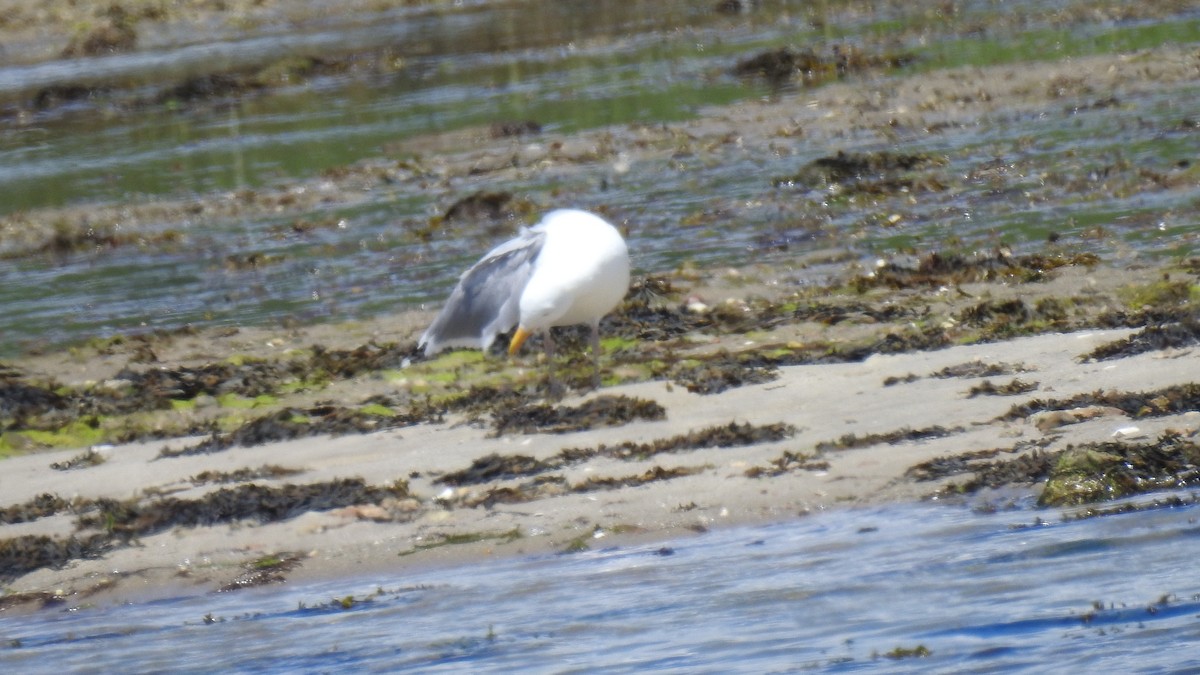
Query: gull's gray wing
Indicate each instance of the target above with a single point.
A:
(486, 300)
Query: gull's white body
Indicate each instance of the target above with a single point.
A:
(571, 268)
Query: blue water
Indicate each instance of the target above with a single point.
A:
(837, 591)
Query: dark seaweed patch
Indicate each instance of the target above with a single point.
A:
(950, 269)
(440, 539)
(1112, 470)
(266, 570)
(787, 462)
(550, 486)
(651, 475)
(20, 400)
(989, 311)
(1168, 401)
(965, 462)
(722, 372)
(790, 461)
(481, 206)
(600, 411)
(243, 475)
(780, 67)
(115, 32)
(1084, 473)
(513, 128)
(132, 518)
(81, 461)
(50, 406)
(1011, 318)
(726, 436)
(845, 168)
(850, 441)
(986, 388)
(496, 467)
(120, 522)
(1172, 502)
(979, 369)
(482, 398)
(538, 488)
(43, 505)
(1151, 338)
(21, 555)
(925, 339)
(42, 599)
(212, 85)
(647, 316)
(292, 423)
(1029, 468)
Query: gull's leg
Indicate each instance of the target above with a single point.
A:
(596, 355)
(556, 388)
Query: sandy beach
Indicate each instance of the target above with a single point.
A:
(750, 395)
(901, 410)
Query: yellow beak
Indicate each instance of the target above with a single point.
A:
(518, 339)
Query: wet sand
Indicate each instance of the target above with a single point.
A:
(878, 400)
(849, 439)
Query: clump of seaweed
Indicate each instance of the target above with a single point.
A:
(481, 206)
(495, 467)
(788, 462)
(1172, 502)
(43, 505)
(951, 269)
(979, 369)
(1029, 468)
(104, 524)
(265, 570)
(513, 128)
(780, 67)
(1167, 401)
(655, 473)
(850, 441)
(81, 461)
(128, 519)
(717, 374)
(291, 423)
(724, 436)
(1081, 474)
(851, 168)
(21, 555)
(1185, 333)
(599, 411)
(1105, 471)
(1013, 388)
(964, 462)
(555, 485)
(243, 475)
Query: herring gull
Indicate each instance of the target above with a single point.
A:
(571, 268)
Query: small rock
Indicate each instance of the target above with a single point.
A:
(1045, 421)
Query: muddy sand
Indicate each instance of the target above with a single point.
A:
(475, 484)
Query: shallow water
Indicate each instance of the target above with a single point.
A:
(569, 66)
(839, 591)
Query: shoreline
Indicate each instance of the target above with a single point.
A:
(753, 395)
(722, 486)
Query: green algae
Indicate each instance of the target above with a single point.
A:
(1163, 293)
(75, 434)
(458, 539)
(244, 403)
(377, 410)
